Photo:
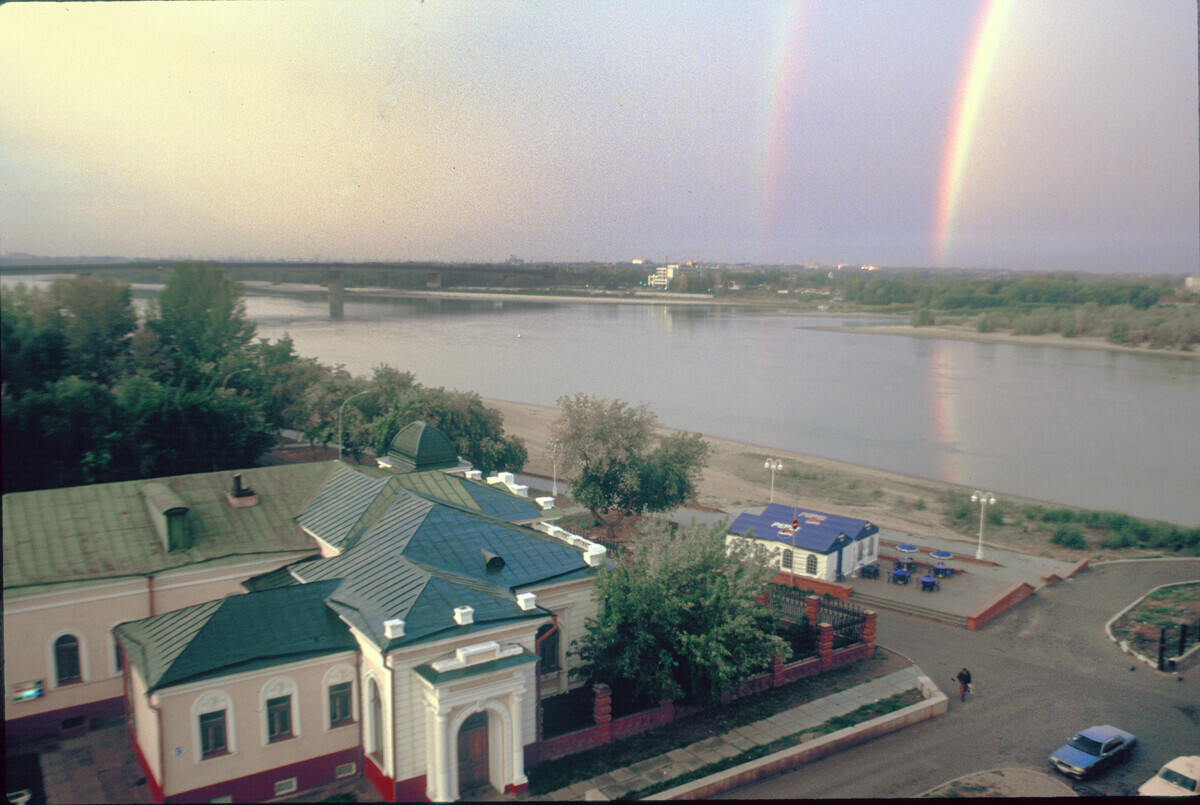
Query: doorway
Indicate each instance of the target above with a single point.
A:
(473, 753)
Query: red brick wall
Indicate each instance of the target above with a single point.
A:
(1013, 596)
(260, 786)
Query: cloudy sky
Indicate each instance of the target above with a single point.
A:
(1024, 134)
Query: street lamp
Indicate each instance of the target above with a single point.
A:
(554, 447)
(984, 499)
(342, 408)
(773, 464)
(231, 374)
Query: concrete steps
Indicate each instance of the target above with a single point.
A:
(868, 601)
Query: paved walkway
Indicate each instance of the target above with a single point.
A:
(677, 762)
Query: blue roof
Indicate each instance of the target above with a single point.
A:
(817, 531)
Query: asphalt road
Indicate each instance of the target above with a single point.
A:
(1042, 671)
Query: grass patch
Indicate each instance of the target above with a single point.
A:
(864, 713)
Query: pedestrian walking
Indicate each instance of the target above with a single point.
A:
(964, 684)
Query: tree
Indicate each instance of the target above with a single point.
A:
(616, 464)
(97, 319)
(681, 618)
(200, 319)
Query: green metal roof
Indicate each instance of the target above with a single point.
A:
(236, 633)
(104, 530)
(419, 446)
(418, 559)
(493, 500)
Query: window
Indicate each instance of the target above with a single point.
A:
(345, 770)
(811, 566)
(212, 734)
(279, 718)
(860, 551)
(786, 562)
(285, 786)
(340, 704)
(66, 660)
(548, 648)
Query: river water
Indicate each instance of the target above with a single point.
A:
(1092, 428)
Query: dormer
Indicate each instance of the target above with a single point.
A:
(168, 512)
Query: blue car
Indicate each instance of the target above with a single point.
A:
(1093, 749)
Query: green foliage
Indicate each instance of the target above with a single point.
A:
(1069, 536)
(957, 508)
(613, 459)
(995, 515)
(200, 319)
(681, 618)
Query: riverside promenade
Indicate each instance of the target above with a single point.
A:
(678, 762)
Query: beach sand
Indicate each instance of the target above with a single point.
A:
(735, 477)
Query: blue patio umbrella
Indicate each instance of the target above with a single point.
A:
(941, 556)
(906, 548)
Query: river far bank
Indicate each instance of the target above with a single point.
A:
(954, 332)
(736, 478)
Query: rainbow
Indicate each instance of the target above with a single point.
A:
(785, 75)
(985, 45)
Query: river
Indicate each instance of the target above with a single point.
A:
(1091, 428)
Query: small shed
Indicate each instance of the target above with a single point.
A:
(810, 543)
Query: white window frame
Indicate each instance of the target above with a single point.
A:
(340, 675)
(213, 701)
(52, 659)
(279, 686)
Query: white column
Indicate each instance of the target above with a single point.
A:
(441, 756)
(518, 747)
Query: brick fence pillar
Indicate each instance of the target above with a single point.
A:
(777, 672)
(667, 708)
(602, 711)
(825, 645)
(812, 609)
(868, 632)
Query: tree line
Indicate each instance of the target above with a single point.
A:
(93, 393)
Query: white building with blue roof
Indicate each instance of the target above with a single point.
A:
(810, 544)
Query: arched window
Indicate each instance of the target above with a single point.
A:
(810, 566)
(547, 636)
(67, 669)
(860, 551)
(786, 561)
(279, 702)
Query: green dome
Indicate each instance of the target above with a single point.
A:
(419, 446)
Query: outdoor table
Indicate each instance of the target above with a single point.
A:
(898, 577)
(869, 571)
(929, 584)
(941, 571)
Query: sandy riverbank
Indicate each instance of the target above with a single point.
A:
(735, 477)
(968, 333)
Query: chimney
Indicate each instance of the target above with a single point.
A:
(527, 601)
(242, 497)
(464, 615)
(393, 628)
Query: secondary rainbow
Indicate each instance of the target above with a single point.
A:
(972, 87)
(785, 75)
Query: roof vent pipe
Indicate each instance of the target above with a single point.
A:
(492, 562)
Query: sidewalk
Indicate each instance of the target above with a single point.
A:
(675, 763)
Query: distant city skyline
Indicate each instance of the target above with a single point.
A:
(1020, 135)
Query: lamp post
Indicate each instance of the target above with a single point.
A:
(340, 409)
(773, 464)
(231, 374)
(553, 447)
(984, 499)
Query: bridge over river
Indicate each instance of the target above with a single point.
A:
(333, 274)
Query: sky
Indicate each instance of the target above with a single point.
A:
(1045, 135)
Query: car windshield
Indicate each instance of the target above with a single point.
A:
(1181, 780)
(1085, 744)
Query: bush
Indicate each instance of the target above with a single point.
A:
(994, 516)
(1069, 536)
(958, 509)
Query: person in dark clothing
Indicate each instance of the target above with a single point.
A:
(964, 683)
